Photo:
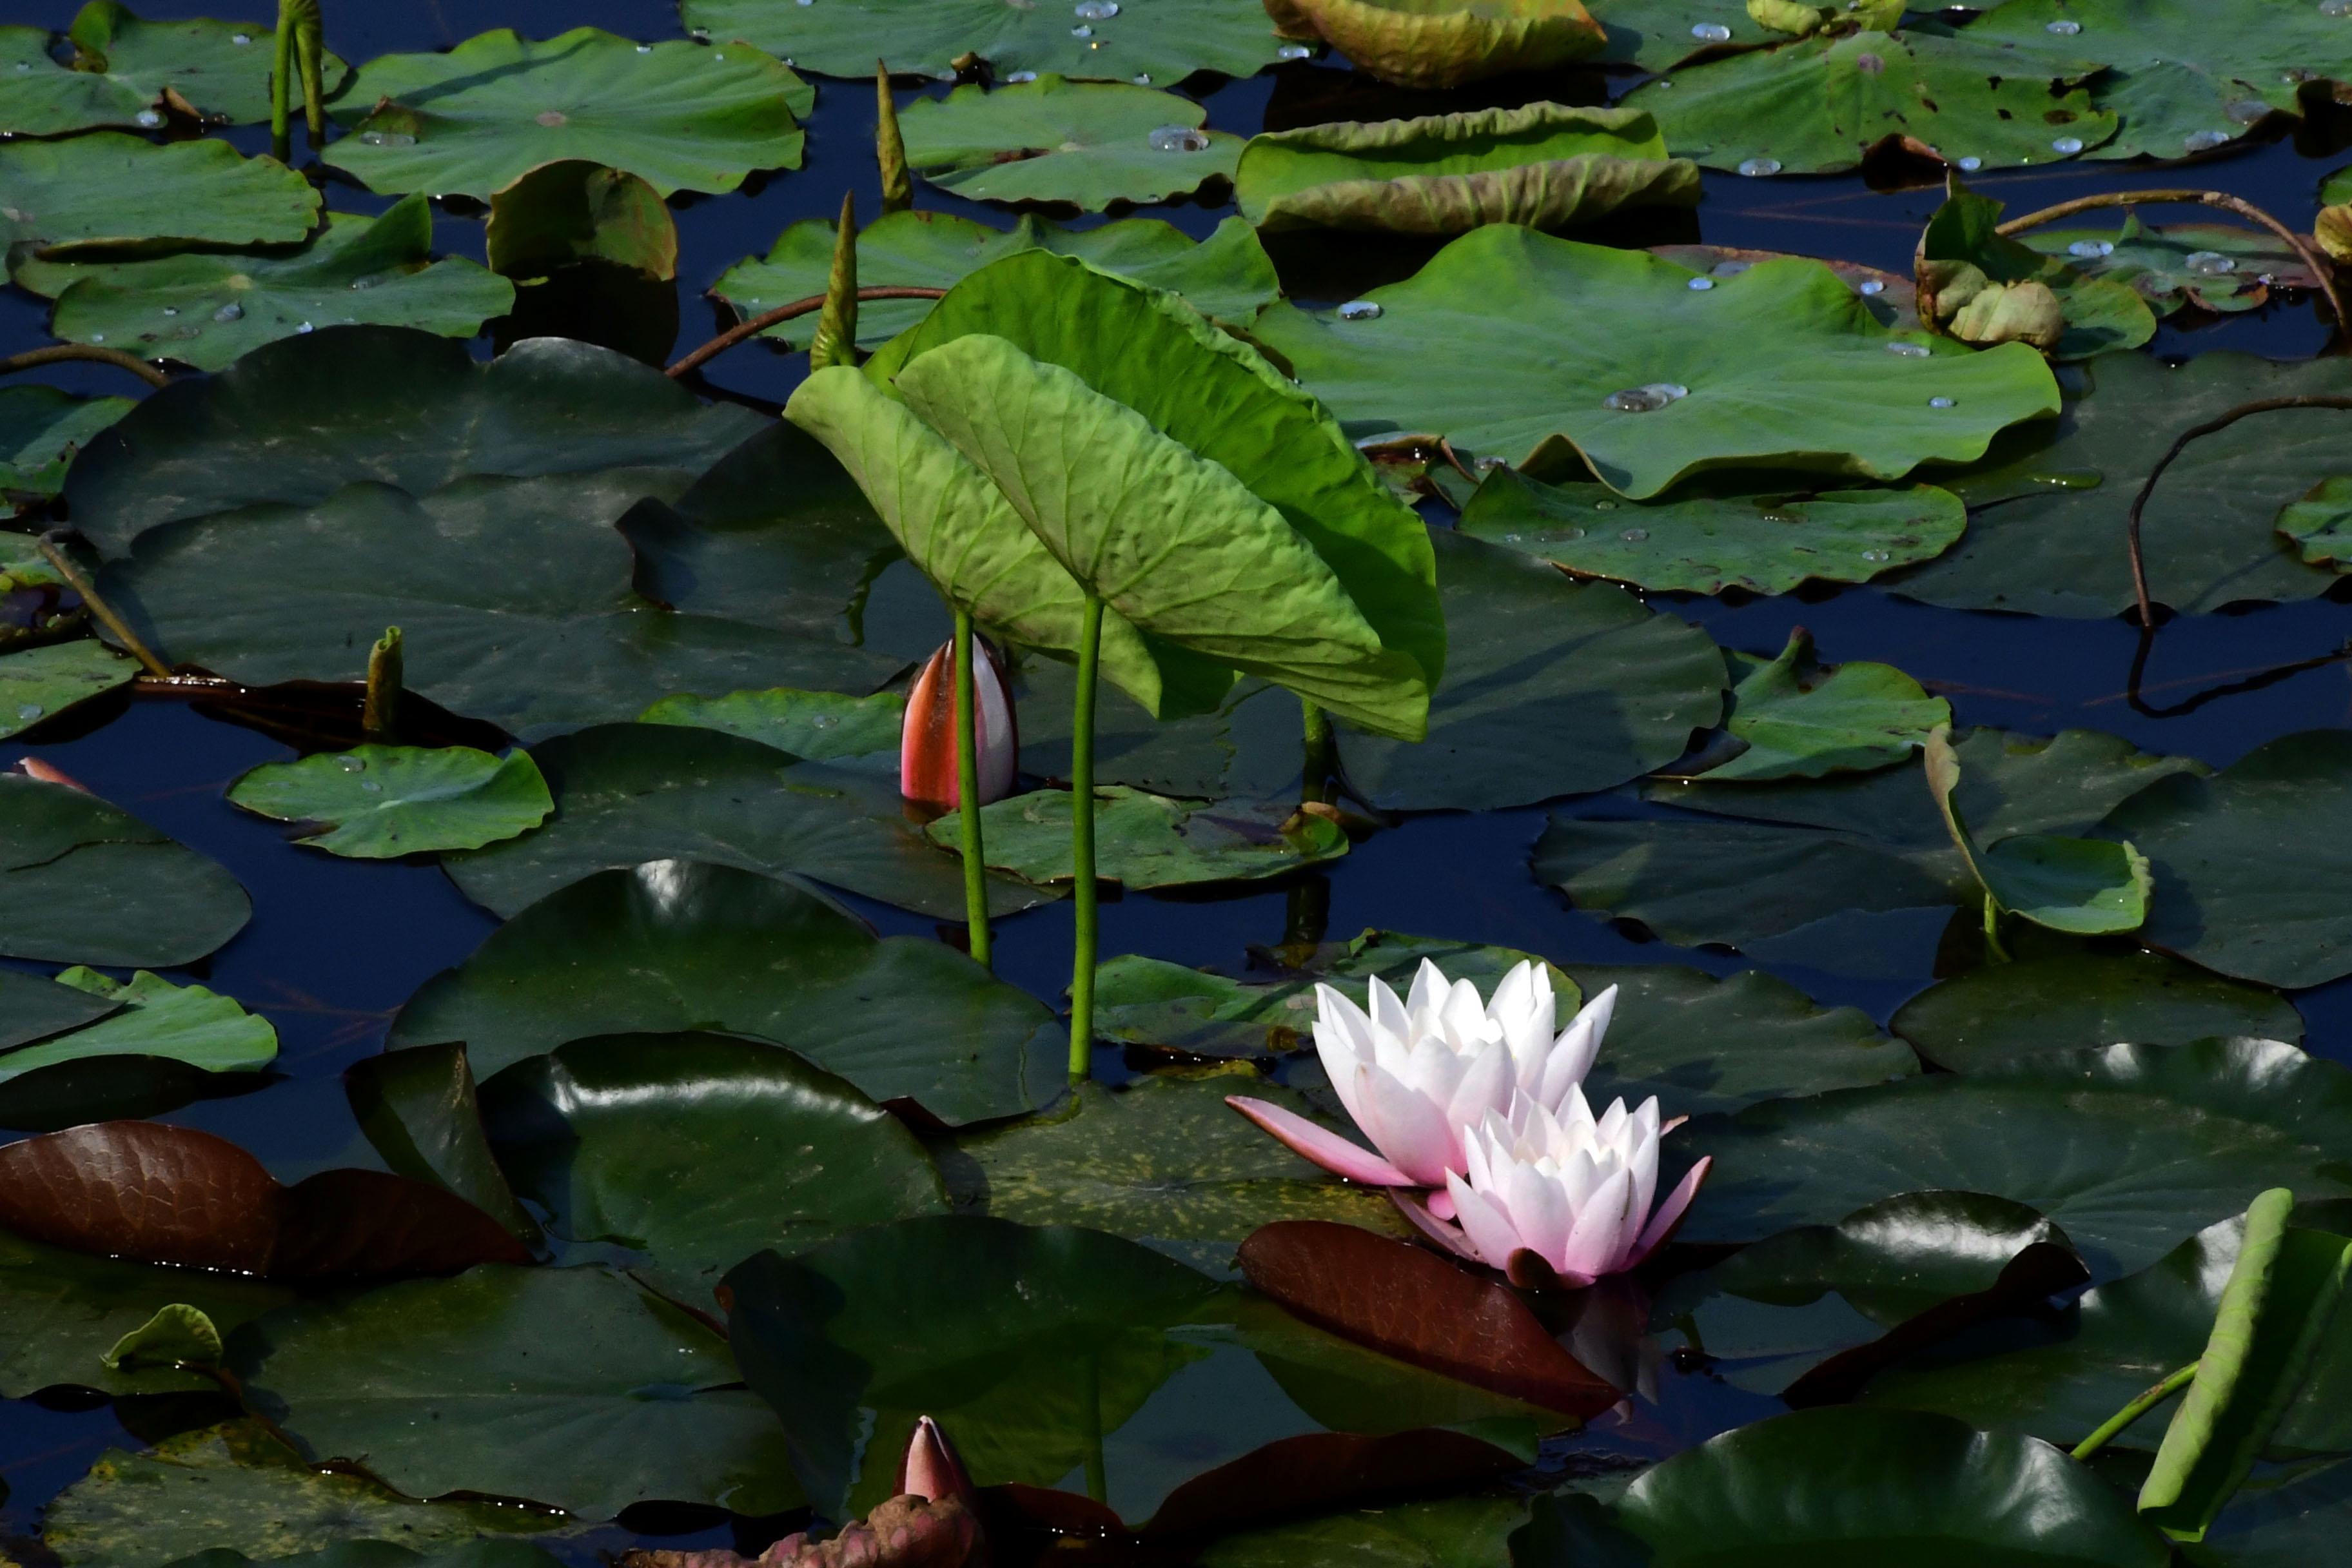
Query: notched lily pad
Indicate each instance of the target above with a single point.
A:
(39, 683)
(2320, 524)
(126, 70)
(1146, 840)
(1053, 139)
(2085, 886)
(1799, 720)
(82, 881)
(1984, 286)
(41, 431)
(153, 1017)
(2065, 1002)
(1444, 43)
(108, 190)
(378, 803)
(2217, 267)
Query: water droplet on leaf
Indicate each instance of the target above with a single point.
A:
(1293, 52)
(387, 139)
(2205, 141)
(1178, 138)
(1870, 286)
(1874, 555)
(1082, 31)
(1909, 351)
(306, 327)
(1646, 399)
(240, 39)
(1634, 535)
(1971, 164)
(29, 710)
(2336, 7)
(232, 311)
(2209, 263)
(171, 310)
(1940, 403)
(1018, 77)
(2066, 146)
(1710, 32)
(1094, 10)
(351, 764)
(148, 118)
(2063, 27)
(370, 786)
(1702, 284)
(1361, 311)
(1756, 168)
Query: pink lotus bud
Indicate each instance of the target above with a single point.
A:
(34, 768)
(930, 1469)
(926, 744)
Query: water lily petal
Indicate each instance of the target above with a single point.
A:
(1320, 1144)
(1406, 1127)
(1574, 1053)
(1604, 1226)
(1485, 1086)
(1483, 1225)
(1448, 1236)
(1670, 1214)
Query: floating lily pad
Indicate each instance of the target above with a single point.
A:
(627, 794)
(1964, 260)
(445, 1385)
(1053, 139)
(1545, 165)
(1816, 106)
(123, 67)
(378, 803)
(82, 881)
(2321, 524)
(60, 1310)
(206, 307)
(1707, 540)
(155, 1018)
(816, 726)
(1657, 34)
(1166, 40)
(2089, 887)
(1798, 719)
(1552, 687)
(2217, 267)
(421, 1110)
(1226, 275)
(42, 429)
(1444, 43)
(2129, 1149)
(674, 945)
(1440, 1532)
(1148, 840)
(1543, 350)
(699, 1149)
(32, 1008)
(110, 189)
(570, 211)
(37, 683)
(676, 114)
(1248, 749)
(2061, 1003)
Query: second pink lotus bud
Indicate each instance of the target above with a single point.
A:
(926, 744)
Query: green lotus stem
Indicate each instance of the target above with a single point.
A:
(380, 712)
(967, 723)
(302, 44)
(1317, 783)
(2113, 1425)
(835, 342)
(897, 186)
(1993, 931)
(1082, 843)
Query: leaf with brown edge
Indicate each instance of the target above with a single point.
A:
(156, 1193)
(1316, 1472)
(1409, 1304)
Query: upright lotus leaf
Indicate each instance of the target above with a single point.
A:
(1150, 841)
(422, 1112)
(2218, 267)
(41, 430)
(1544, 165)
(1798, 719)
(1112, 497)
(571, 210)
(177, 1334)
(1227, 274)
(1165, 40)
(82, 881)
(2067, 1001)
(378, 803)
(1444, 43)
(2087, 886)
(674, 945)
(1053, 139)
(471, 121)
(154, 1018)
(109, 189)
(1544, 351)
(816, 726)
(37, 683)
(2320, 525)
(1144, 348)
(1964, 261)
(124, 69)
(1819, 105)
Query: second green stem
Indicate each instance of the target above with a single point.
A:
(1082, 844)
(2139, 1407)
(967, 723)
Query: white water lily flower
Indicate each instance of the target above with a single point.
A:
(1418, 1075)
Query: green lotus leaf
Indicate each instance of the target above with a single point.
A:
(2320, 524)
(1165, 40)
(1053, 139)
(1226, 275)
(1819, 105)
(1544, 351)
(448, 1385)
(297, 421)
(627, 794)
(1552, 687)
(1435, 1532)
(2086, 886)
(1444, 43)
(32, 1008)
(2129, 1149)
(1147, 840)
(378, 803)
(207, 308)
(1987, 288)
(674, 945)
(1544, 165)
(474, 119)
(422, 1114)
(60, 1310)
(37, 683)
(111, 190)
(1143, 348)
(2045, 534)
(82, 881)
(2063, 1002)
(2218, 267)
(816, 726)
(1657, 34)
(153, 1017)
(613, 1137)
(1798, 719)
(1253, 595)
(571, 210)
(41, 429)
(123, 66)
(1767, 541)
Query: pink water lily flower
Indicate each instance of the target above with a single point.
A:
(1563, 1198)
(1418, 1075)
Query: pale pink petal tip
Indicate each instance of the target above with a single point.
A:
(930, 1469)
(1441, 1203)
(1669, 1216)
(1320, 1144)
(1445, 1236)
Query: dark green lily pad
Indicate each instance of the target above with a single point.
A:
(122, 65)
(1799, 720)
(2129, 1149)
(2061, 1003)
(572, 211)
(1767, 541)
(207, 308)
(60, 1310)
(1250, 749)
(2321, 524)
(110, 189)
(816, 726)
(1053, 139)
(1513, 343)
(1962, 254)
(2218, 267)
(2089, 887)
(1657, 34)
(378, 803)
(627, 794)
(676, 945)
(1544, 165)
(32, 1008)
(1226, 275)
(41, 429)
(153, 1017)
(1440, 1532)
(422, 1112)
(676, 114)
(39, 683)
(1146, 840)
(1816, 106)
(82, 881)
(699, 1149)
(1552, 687)
(445, 1385)
(1166, 41)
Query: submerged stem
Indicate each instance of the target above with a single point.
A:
(1082, 843)
(95, 352)
(967, 723)
(65, 568)
(2114, 1424)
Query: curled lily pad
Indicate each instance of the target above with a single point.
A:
(2064, 1002)
(2086, 886)
(125, 69)
(1053, 139)
(1150, 841)
(2320, 524)
(109, 190)
(36, 683)
(2215, 266)
(1965, 262)
(41, 429)
(1544, 165)
(1800, 721)
(82, 881)
(153, 1017)
(1544, 351)
(207, 308)
(377, 803)
(1444, 43)
(816, 726)
(676, 114)
(571, 210)
(1226, 275)
(62, 1310)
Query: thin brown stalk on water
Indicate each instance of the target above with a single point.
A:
(66, 569)
(766, 319)
(58, 354)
